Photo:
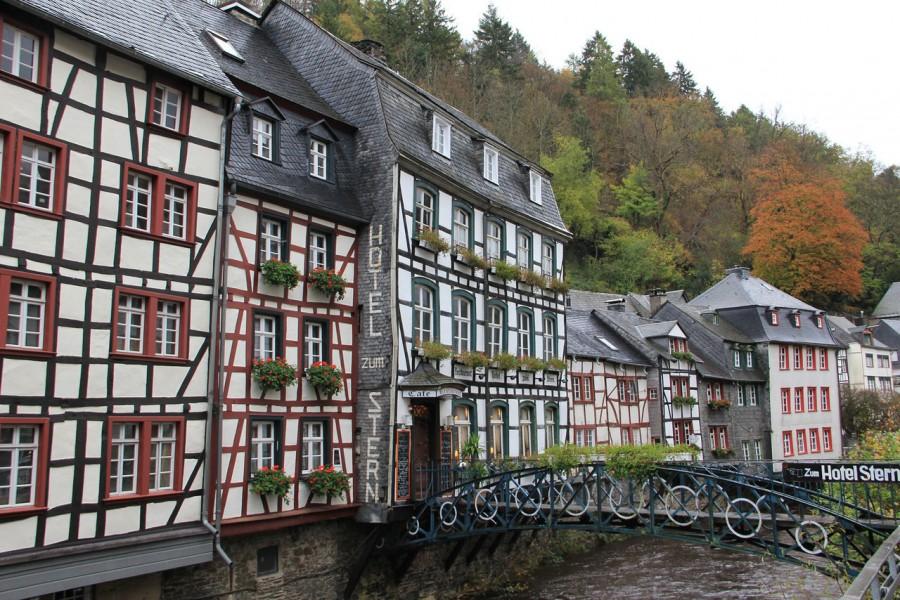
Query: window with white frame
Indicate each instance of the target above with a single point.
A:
(37, 175)
(125, 440)
(130, 323)
(318, 159)
(462, 324)
(318, 250)
(461, 226)
(263, 444)
(162, 456)
(757, 449)
(313, 342)
(462, 428)
(748, 356)
(736, 355)
(498, 432)
(536, 187)
(523, 249)
(424, 209)
(787, 441)
(138, 201)
(526, 328)
(550, 423)
(494, 240)
(754, 401)
(167, 106)
(745, 449)
(174, 210)
(265, 336)
(168, 328)
(496, 316)
(813, 440)
(740, 394)
(549, 337)
(526, 430)
(440, 136)
(271, 240)
(21, 53)
(423, 313)
(491, 164)
(548, 259)
(26, 314)
(18, 464)
(810, 358)
(263, 135)
(826, 439)
(313, 445)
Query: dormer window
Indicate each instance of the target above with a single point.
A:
(167, 107)
(773, 317)
(318, 159)
(491, 164)
(677, 345)
(440, 136)
(820, 321)
(795, 319)
(21, 53)
(536, 185)
(225, 45)
(263, 136)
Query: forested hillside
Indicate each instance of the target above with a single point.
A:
(659, 185)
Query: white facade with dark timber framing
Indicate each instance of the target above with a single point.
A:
(108, 195)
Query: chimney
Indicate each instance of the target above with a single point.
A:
(370, 48)
(616, 305)
(657, 299)
(860, 320)
(741, 272)
(245, 10)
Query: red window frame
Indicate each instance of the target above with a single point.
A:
(799, 400)
(625, 395)
(823, 359)
(814, 436)
(785, 401)
(811, 359)
(681, 386)
(6, 277)
(812, 400)
(787, 435)
(12, 169)
(43, 66)
(784, 362)
(820, 321)
(801, 442)
(157, 197)
(149, 351)
(587, 391)
(41, 469)
(825, 399)
(715, 434)
(773, 318)
(581, 443)
(682, 430)
(185, 89)
(142, 473)
(576, 389)
(798, 358)
(827, 440)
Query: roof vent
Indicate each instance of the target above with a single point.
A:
(741, 272)
(370, 48)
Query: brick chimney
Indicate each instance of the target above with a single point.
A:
(657, 299)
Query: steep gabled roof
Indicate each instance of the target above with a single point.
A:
(585, 335)
(889, 306)
(738, 288)
(151, 32)
(888, 332)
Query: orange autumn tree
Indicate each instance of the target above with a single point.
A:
(803, 238)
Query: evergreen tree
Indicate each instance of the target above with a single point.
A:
(683, 80)
(642, 72)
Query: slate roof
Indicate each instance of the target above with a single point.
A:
(739, 288)
(888, 332)
(752, 322)
(153, 32)
(889, 306)
(656, 328)
(846, 332)
(582, 332)
(628, 326)
(426, 376)
(712, 343)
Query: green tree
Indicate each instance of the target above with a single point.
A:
(577, 187)
(683, 81)
(642, 72)
(595, 70)
(637, 259)
(637, 204)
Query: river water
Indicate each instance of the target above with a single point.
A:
(649, 568)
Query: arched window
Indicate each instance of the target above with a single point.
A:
(463, 323)
(523, 249)
(494, 240)
(498, 429)
(496, 329)
(526, 333)
(551, 426)
(462, 226)
(425, 312)
(426, 208)
(526, 430)
(548, 259)
(549, 337)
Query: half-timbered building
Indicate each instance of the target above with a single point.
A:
(110, 126)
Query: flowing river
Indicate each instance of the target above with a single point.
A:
(649, 568)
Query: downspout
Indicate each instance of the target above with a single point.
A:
(215, 380)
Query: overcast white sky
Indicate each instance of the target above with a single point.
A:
(831, 65)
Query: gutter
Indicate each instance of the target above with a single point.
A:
(215, 381)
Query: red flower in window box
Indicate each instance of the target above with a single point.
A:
(327, 281)
(325, 377)
(327, 481)
(274, 373)
(271, 482)
(276, 272)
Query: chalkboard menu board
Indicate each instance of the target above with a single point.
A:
(402, 474)
(446, 457)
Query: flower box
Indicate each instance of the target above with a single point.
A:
(328, 282)
(432, 240)
(327, 481)
(682, 401)
(718, 404)
(271, 482)
(274, 373)
(275, 272)
(325, 377)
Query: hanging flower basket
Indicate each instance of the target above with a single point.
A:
(325, 377)
(271, 482)
(326, 481)
(276, 272)
(274, 373)
(327, 281)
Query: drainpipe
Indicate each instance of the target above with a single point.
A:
(215, 380)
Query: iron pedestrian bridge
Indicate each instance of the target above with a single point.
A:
(836, 527)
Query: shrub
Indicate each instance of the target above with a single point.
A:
(274, 373)
(471, 257)
(683, 356)
(560, 458)
(435, 350)
(325, 377)
(280, 273)
(683, 401)
(505, 361)
(326, 481)
(471, 449)
(532, 278)
(434, 240)
(506, 271)
(640, 462)
(559, 286)
(270, 482)
(531, 363)
(476, 360)
(556, 364)
(722, 452)
(327, 281)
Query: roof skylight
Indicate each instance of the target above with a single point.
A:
(225, 45)
(607, 342)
